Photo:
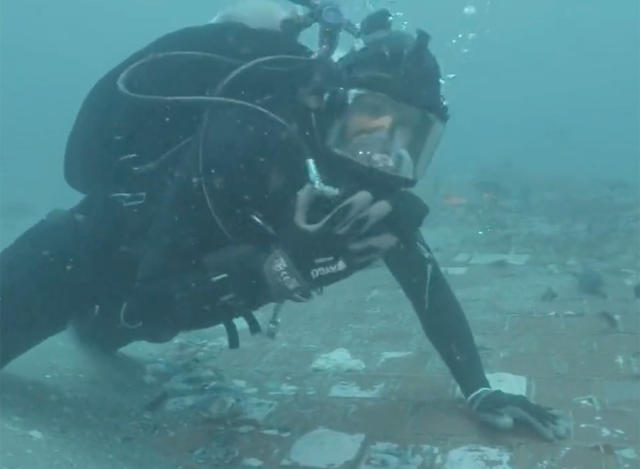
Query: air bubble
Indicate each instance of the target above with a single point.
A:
(470, 10)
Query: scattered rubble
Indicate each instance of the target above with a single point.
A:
(477, 457)
(338, 360)
(352, 390)
(386, 455)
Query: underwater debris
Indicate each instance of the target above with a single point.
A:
(324, 448)
(338, 360)
(589, 401)
(591, 282)
(157, 402)
(612, 320)
(394, 456)
(252, 462)
(352, 390)
(477, 457)
(549, 294)
(35, 434)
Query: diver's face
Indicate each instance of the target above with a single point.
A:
(383, 134)
(386, 132)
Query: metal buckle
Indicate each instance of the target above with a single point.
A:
(128, 199)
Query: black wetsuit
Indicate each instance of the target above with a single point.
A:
(123, 271)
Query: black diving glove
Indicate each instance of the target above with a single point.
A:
(328, 241)
(501, 410)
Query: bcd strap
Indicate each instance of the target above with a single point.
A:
(233, 338)
(232, 334)
(252, 322)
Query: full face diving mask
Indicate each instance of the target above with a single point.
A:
(382, 134)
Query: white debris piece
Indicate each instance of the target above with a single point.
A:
(325, 448)
(455, 270)
(285, 390)
(627, 453)
(348, 389)
(338, 360)
(588, 401)
(258, 409)
(477, 457)
(36, 434)
(384, 356)
(252, 462)
(276, 432)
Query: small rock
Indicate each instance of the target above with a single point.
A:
(549, 294)
(36, 434)
(612, 320)
(224, 407)
(157, 402)
(180, 403)
(591, 282)
(245, 429)
(252, 462)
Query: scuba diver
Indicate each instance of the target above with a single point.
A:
(227, 166)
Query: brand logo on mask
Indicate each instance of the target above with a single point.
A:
(334, 268)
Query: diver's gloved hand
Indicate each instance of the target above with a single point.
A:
(407, 215)
(328, 240)
(501, 410)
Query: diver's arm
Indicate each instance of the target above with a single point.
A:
(444, 323)
(440, 313)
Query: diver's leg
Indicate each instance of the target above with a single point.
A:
(100, 330)
(43, 281)
(112, 325)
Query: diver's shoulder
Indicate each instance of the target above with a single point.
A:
(232, 36)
